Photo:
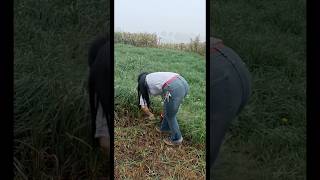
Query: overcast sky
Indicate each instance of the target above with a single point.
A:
(156, 16)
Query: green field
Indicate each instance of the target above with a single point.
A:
(51, 129)
(268, 140)
(130, 61)
(139, 149)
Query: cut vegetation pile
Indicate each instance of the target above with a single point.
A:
(140, 153)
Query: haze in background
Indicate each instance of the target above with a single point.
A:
(174, 21)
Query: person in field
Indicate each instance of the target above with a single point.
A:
(173, 88)
(230, 89)
(100, 92)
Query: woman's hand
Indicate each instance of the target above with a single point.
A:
(146, 110)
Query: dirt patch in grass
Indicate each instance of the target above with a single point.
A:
(140, 152)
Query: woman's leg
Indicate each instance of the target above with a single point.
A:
(230, 90)
(171, 105)
(164, 124)
(224, 104)
(172, 108)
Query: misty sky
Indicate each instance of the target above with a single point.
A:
(156, 16)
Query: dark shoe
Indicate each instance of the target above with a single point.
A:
(169, 142)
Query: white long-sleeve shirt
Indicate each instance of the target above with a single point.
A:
(155, 81)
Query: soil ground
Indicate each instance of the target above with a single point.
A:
(140, 153)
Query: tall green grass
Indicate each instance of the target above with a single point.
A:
(152, 40)
(193, 46)
(136, 39)
(51, 123)
(270, 133)
(130, 61)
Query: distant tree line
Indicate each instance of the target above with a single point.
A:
(152, 40)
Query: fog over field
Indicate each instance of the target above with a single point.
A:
(173, 21)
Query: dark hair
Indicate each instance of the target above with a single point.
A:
(143, 89)
(94, 49)
(100, 82)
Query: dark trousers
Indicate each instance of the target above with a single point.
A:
(230, 88)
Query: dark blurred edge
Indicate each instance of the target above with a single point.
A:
(313, 90)
(111, 30)
(208, 12)
(6, 89)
